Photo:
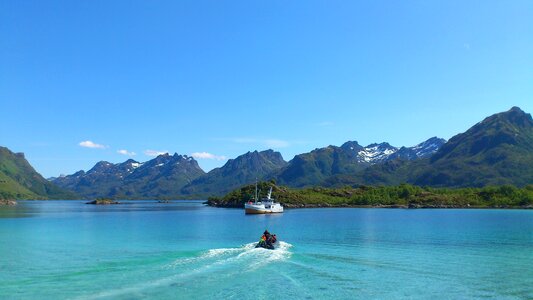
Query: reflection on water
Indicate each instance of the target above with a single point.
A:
(28, 208)
(21, 210)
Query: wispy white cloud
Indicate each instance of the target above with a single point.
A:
(126, 152)
(325, 123)
(90, 144)
(271, 143)
(154, 152)
(207, 155)
(243, 140)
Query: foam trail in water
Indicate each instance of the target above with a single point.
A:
(259, 257)
(247, 251)
(237, 260)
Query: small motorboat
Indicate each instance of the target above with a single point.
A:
(267, 241)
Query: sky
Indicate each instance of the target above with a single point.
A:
(85, 81)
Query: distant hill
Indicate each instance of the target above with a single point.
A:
(18, 180)
(330, 164)
(161, 177)
(242, 170)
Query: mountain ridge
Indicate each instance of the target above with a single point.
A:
(236, 172)
(323, 164)
(163, 176)
(497, 150)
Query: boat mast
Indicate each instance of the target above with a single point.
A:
(269, 193)
(256, 190)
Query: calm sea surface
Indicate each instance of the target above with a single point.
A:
(185, 250)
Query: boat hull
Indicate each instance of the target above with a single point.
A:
(258, 209)
(265, 206)
(264, 245)
(253, 211)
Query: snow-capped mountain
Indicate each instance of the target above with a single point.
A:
(424, 149)
(314, 167)
(165, 174)
(378, 153)
(108, 169)
(178, 175)
(375, 153)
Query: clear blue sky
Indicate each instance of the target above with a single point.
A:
(227, 77)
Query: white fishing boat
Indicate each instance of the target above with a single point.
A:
(264, 206)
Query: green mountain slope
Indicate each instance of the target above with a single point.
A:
(236, 172)
(393, 172)
(335, 166)
(496, 151)
(18, 180)
(316, 166)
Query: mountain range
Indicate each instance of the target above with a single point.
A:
(317, 166)
(180, 176)
(161, 177)
(495, 151)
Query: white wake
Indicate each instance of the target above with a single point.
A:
(227, 261)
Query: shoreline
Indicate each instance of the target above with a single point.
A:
(289, 206)
(403, 196)
(392, 206)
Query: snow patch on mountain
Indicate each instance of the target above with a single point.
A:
(375, 153)
(428, 147)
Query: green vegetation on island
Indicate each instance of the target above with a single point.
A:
(403, 196)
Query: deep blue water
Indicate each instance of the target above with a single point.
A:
(184, 250)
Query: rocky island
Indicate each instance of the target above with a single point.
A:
(8, 202)
(103, 202)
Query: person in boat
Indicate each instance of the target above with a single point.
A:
(262, 242)
(266, 236)
(267, 240)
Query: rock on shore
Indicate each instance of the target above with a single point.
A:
(8, 202)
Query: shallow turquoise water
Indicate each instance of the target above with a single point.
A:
(184, 250)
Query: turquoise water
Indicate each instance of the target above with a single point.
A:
(184, 250)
